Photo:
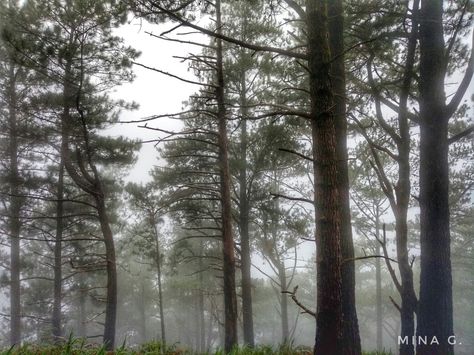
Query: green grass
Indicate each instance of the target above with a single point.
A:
(79, 347)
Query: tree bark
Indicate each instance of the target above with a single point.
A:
(247, 312)
(81, 319)
(351, 338)
(91, 184)
(329, 314)
(14, 210)
(57, 297)
(230, 296)
(111, 302)
(158, 276)
(142, 312)
(285, 329)
(378, 286)
(435, 312)
(202, 320)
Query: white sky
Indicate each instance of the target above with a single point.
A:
(159, 94)
(155, 93)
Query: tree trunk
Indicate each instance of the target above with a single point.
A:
(285, 329)
(408, 297)
(202, 321)
(142, 311)
(230, 297)
(329, 317)
(14, 211)
(111, 301)
(81, 319)
(378, 286)
(57, 301)
(247, 313)
(435, 312)
(350, 334)
(402, 192)
(158, 275)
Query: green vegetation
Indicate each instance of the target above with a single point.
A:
(80, 347)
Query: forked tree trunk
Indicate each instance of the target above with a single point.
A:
(230, 296)
(329, 316)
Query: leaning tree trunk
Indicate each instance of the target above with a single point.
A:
(14, 211)
(111, 267)
(435, 312)
(230, 296)
(351, 338)
(92, 185)
(57, 293)
(329, 314)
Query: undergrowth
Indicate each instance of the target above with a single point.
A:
(75, 346)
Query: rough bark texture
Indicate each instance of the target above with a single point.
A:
(351, 337)
(329, 317)
(57, 293)
(435, 312)
(14, 211)
(230, 296)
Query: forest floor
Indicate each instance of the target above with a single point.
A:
(78, 347)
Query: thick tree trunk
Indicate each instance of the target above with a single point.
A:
(14, 212)
(435, 312)
(247, 313)
(57, 293)
(230, 297)
(329, 317)
(351, 338)
(111, 267)
(159, 276)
